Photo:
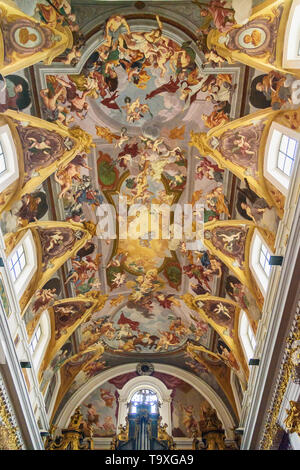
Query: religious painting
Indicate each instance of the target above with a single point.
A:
(30, 208)
(251, 38)
(127, 81)
(241, 146)
(258, 97)
(138, 91)
(25, 37)
(41, 301)
(257, 37)
(202, 272)
(57, 241)
(242, 296)
(223, 313)
(14, 93)
(67, 313)
(84, 274)
(77, 368)
(41, 147)
(99, 410)
(209, 190)
(136, 332)
(251, 207)
(65, 353)
(186, 408)
(274, 89)
(230, 240)
(227, 356)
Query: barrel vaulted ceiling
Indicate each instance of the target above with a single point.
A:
(141, 84)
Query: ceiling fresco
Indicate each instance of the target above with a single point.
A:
(140, 83)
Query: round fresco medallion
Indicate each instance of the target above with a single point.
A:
(252, 38)
(27, 37)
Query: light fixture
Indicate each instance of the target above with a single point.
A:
(253, 362)
(275, 260)
(25, 364)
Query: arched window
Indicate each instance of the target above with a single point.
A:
(147, 388)
(3, 166)
(282, 151)
(291, 50)
(35, 339)
(40, 339)
(259, 261)
(22, 263)
(9, 170)
(144, 397)
(247, 336)
(17, 262)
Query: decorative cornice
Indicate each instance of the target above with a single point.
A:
(286, 373)
(257, 398)
(10, 437)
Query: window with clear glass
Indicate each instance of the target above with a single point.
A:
(287, 153)
(35, 339)
(247, 336)
(3, 167)
(251, 337)
(264, 258)
(144, 397)
(17, 263)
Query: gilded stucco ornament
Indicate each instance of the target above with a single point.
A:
(41, 147)
(162, 434)
(122, 436)
(259, 42)
(287, 371)
(55, 243)
(24, 41)
(75, 311)
(239, 146)
(9, 439)
(212, 430)
(72, 438)
(292, 420)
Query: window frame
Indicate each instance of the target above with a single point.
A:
(13, 264)
(291, 43)
(134, 403)
(2, 157)
(285, 154)
(246, 339)
(41, 347)
(9, 151)
(21, 282)
(256, 268)
(271, 170)
(265, 254)
(35, 339)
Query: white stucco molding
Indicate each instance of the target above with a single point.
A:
(150, 383)
(20, 390)
(267, 334)
(202, 387)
